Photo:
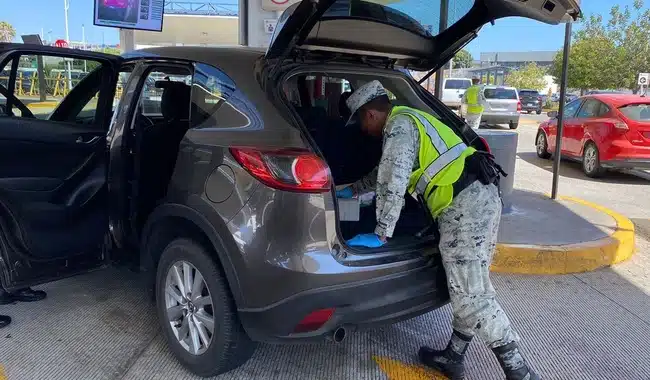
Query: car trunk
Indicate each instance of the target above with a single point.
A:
(529, 98)
(318, 100)
(501, 99)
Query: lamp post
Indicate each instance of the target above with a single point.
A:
(66, 6)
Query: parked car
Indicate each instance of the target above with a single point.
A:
(503, 106)
(531, 101)
(453, 90)
(603, 131)
(226, 199)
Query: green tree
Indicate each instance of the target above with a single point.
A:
(7, 32)
(626, 33)
(594, 63)
(463, 59)
(530, 76)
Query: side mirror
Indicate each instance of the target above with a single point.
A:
(552, 114)
(460, 96)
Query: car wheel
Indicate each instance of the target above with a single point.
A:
(591, 161)
(541, 146)
(197, 312)
(513, 125)
(539, 112)
(528, 112)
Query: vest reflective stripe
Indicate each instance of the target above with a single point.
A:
(437, 165)
(473, 105)
(433, 134)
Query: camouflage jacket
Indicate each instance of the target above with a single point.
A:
(390, 179)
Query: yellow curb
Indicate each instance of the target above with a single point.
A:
(42, 104)
(397, 370)
(3, 376)
(569, 258)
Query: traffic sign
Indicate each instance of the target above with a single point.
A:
(61, 43)
(644, 79)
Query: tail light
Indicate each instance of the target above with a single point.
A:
(619, 125)
(296, 170)
(314, 320)
(487, 146)
(518, 106)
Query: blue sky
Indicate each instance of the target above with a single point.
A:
(514, 34)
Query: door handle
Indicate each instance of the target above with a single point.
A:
(80, 140)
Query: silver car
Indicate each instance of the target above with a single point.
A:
(503, 106)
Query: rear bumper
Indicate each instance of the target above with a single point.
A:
(359, 305)
(527, 108)
(622, 154)
(500, 117)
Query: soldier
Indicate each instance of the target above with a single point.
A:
(459, 186)
(475, 101)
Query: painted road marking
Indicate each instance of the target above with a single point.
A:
(397, 370)
(2, 373)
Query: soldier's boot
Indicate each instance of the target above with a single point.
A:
(513, 363)
(450, 361)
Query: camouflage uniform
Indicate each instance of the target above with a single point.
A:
(468, 233)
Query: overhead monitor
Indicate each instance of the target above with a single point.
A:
(130, 14)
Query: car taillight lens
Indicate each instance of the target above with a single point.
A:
(296, 170)
(487, 146)
(518, 106)
(314, 320)
(620, 125)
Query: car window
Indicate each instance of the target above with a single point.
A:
(500, 93)
(457, 84)
(590, 108)
(528, 93)
(217, 103)
(59, 76)
(151, 97)
(637, 112)
(571, 108)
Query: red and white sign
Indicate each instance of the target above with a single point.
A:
(61, 43)
(277, 5)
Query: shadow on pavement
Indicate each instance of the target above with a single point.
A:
(572, 169)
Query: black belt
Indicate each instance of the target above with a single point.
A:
(467, 177)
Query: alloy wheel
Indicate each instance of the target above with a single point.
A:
(189, 307)
(591, 158)
(541, 144)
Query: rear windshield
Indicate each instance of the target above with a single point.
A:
(418, 16)
(637, 112)
(528, 93)
(500, 93)
(457, 84)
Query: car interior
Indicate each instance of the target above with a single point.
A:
(53, 180)
(162, 118)
(319, 100)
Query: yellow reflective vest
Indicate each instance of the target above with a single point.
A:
(473, 105)
(441, 160)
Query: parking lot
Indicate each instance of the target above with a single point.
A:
(587, 326)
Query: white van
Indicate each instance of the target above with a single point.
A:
(453, 90)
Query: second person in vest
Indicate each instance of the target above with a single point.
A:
(425, 158)
(475, 101)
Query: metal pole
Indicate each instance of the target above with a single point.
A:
(560, 115)
(66, 6)
(243, 22)
(444, 14)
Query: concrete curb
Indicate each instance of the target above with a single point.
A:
(570, 258)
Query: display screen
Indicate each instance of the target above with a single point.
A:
(130, 14)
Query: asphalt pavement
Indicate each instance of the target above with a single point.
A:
(586, 326)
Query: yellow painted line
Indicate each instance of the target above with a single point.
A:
(569, 258)
(397, 370)
(3, 376)
(42, 105)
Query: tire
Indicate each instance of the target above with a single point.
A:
(528, 112)
(539, 112)
(513, 125)
(228, 347)
(541, 146)
(591, 161)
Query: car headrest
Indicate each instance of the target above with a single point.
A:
(175, 102)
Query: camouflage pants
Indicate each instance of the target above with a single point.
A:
(473, 120)
(468, 236)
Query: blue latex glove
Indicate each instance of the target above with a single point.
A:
(345, 192)
(366, 240)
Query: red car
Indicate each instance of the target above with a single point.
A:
(603, 131)
(116, 3)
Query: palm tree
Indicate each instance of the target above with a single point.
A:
(7, 32)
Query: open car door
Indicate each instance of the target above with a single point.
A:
(401, 32)
(55, 108)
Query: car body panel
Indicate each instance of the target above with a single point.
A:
(531, 100)
(501, 107)
(453, 90)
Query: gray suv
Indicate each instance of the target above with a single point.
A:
(213, 171)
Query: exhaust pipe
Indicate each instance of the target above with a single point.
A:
(339, 334)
